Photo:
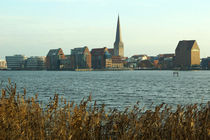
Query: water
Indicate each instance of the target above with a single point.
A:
(117, 89)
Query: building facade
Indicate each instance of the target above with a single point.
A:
(54, 58)
(187, 54)
(80, 58)
(205, 63)
(3, 64)
(140, 57)
(117, 62)
(16, 62)
(35, 63)
(65, 64)
(111, 51)
(118, 44)
(209, 65)
(101, 58)
(166, 61)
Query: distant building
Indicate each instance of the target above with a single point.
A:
(140, 57)
(101, 58)
(130, 63)
(117, 62)
(145, 64)
(3, 64)
(15, 62)
(167, 55)
(53, 59)
(35, 63)
(156, 64)
(65, 64)
(209, 65)
(134, 60)
(118, 44)
(111, 51)
(187, 54)
(166, 61)
(80, 58)
(154, 60)
(205, 63)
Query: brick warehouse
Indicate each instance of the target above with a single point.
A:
(53, 59)
(80, 58)
(187, 54)
(101, 58)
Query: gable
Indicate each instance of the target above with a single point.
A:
(195, 47)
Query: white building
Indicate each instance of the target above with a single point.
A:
(15, 62)
(3, 64)
(138, 58)
(35, 63)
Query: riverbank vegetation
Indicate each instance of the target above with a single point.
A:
(26, 118)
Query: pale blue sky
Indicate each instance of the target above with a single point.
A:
(32, 27)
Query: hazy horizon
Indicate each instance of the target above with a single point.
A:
(33, 27)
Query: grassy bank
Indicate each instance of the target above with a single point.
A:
(22, 118)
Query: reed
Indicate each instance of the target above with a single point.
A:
(26, 118)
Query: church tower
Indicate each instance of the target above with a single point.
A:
(118, 44)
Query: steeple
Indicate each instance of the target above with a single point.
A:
(118, 32)
(118, 44)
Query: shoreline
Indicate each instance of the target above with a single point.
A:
(126, 69)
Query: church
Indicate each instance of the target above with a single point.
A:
(117, 58)
(118, 44)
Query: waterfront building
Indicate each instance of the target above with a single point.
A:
(145, 64)
(133, 61)
(3, 64)
(35, 63)
(118, 44)
(154, 60)
(80, 58)
(156, 64)
(65, 64)
(140, 57)
(53, 59)
(130, 64)
(101, 58)
(208, 65)
(111, 51)
(167, 55)
(117, 62)
(205, 63)
(15, 62)
(166, 61)
(187, 54)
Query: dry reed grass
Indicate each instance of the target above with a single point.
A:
(22, 118)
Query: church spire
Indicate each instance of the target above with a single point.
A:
(118, 33)
(118, 44)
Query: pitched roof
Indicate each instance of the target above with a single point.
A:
(188, 44)
(78, 50)
(140, 55)
(53, 52)
(99, 50)
(166, 55)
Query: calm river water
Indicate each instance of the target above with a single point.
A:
(118, 89)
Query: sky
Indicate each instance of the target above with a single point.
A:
(152, 27)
